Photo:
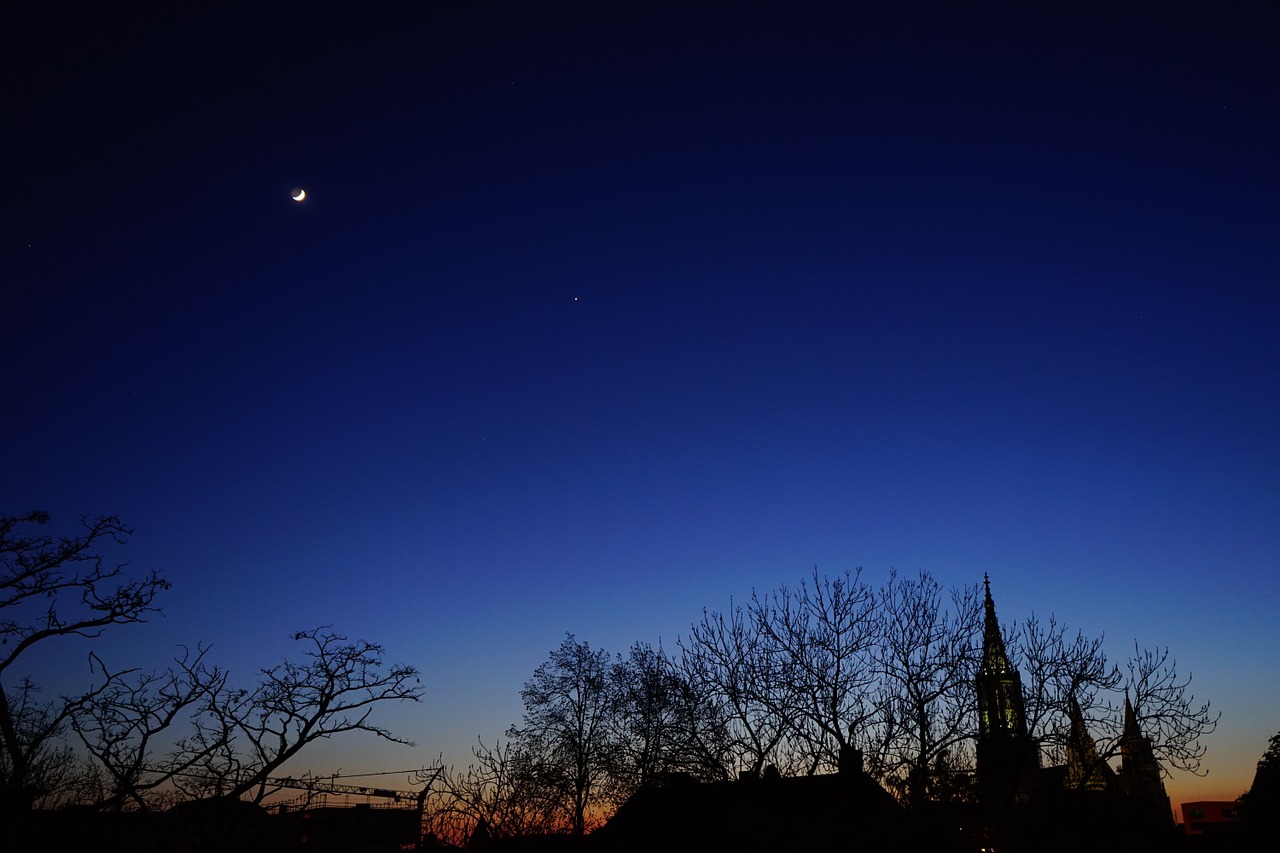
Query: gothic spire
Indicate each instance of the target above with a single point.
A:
(1130, 718)
(1006, 752)
(1084, 770)
(994, 657)
(1141, 769)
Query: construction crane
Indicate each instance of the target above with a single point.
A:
(321, 786)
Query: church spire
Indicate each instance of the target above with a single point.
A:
(1000, 705)
(1130, 718)
(1140, 770)
(995, 660)
(1084, 770)
(1006, 752)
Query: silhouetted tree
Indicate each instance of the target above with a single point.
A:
(1057, 669)
(819, 642)
(120, 725)
(659, 724)
(243, 737)
(926, 658)
(1167, 710)
(795, 680)
(1060, 669)
(501, 790)
(50, 588)
(183, 731)
(55, 774)
(567, 708)
(1260, 806)
(730, 657)
(800, 674)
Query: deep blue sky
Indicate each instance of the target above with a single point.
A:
(595, 318)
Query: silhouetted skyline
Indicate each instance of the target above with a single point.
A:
(593, 318)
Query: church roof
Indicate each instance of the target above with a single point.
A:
(779, 813)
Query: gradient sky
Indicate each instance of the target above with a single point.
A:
(594, 318)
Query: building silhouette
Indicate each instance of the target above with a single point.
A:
(1081, 804)
(1211, 817)
(1139, 774)
(1084, 770)
(1008, 757)
(843, 810)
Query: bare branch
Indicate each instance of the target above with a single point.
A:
(55, 587)
(119, 723)
(331, 691)
(1167, 711)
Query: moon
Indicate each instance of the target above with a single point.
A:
(298, 194)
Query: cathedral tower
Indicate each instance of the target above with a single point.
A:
(1007, 755)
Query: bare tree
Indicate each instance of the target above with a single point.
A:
(1063, 669)
(120, 723)
(567, 706)
(926, 659)
(53, 587)
(729, 656)
(1166, 711)
(655, 724)
(1059, 669)
(55, 774)
(820, 640)
(501, 790)
(800, 675)
(243, 737)
(232, 741)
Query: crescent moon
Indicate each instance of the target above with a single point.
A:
(298, 194)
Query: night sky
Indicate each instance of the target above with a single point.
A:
(594, 317)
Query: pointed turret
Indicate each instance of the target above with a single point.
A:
(1139, 770)
(1130, 718)
(1136, 752)
(1084, 771)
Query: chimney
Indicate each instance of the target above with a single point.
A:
(850, 761)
